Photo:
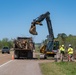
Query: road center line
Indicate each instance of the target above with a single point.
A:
(5, 63)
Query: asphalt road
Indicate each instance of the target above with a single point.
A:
(5, 57)
(20, 66)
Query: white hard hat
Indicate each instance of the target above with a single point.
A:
(70, 45)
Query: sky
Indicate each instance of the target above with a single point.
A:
(16, 17)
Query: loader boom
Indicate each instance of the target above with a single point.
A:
(37, 21)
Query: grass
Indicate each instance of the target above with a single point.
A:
(59, 68)
(37, 49)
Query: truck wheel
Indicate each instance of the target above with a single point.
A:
(16, 55)
(45, 56)
(30, 55)
(2, 52)
(8, 52)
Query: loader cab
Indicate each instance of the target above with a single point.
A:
(56, 45)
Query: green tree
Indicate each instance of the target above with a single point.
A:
(6, 42)
(62, 38)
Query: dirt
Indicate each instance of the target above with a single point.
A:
(5, 57)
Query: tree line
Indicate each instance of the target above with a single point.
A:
(61, 37)
(6, 42)
(65, 39)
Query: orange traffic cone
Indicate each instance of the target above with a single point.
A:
(12, 57)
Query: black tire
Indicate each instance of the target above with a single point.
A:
(45, 56)
(30, 55)
(16, 55)
(8, 52)
(2, 52)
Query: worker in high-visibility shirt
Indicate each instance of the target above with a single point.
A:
(62, 52)
(70, 53)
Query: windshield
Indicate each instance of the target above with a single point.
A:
(5, 48)
(56, 45)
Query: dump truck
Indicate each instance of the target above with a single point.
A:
(23, 47)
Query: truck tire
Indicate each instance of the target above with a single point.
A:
(45, 56)
(30, 55)
(2, 52)
(16, 55)
(8, 52)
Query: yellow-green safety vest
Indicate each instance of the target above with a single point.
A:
(62, 49)
(70, 50)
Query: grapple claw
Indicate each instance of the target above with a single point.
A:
(33, 30)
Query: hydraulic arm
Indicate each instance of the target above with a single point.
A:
(38, 21)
